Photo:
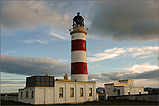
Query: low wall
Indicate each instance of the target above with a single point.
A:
(142, 97)
(103, 96)
(9, 97)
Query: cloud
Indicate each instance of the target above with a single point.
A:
(62, 60)
(142, 52)
(147, 50)
(138, 71)
(119, 20)
(125, 20)
(114, 76)
(141, 72)
(10, 88)
(12, 82)
(32, 14)
(33, 66)
(140, 68)
(150, 76)
(107, 54)
(146, 82)
(9, 52)
(57, 35)
(35, 41)
(60, 35)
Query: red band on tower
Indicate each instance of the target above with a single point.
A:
(79, 68)
(78, 45)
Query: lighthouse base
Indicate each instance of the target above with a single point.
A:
(79, 77)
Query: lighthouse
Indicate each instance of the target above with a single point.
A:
(78, 50)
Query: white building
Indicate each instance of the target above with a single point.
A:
(46, 90)
(64, 91)
(124, 87)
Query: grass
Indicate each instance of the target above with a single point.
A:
(108, 102)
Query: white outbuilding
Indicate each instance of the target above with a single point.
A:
(124, 87)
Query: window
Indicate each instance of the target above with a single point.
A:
(90, 91)
(72, 68)
(71, 92)
(32, 94)
(21, 94)
(61, 92)
(81, 91)
(83, 45)
(72, 37)
(129, 92)
(26, 94)
(139, 91)
(118, 92)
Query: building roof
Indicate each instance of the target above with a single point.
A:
(126, 80)
(69, 81)
(138, 86)
(117, 84)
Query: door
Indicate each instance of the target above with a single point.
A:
(118, 92)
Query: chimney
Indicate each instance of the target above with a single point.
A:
(47, 74)
(66, 77)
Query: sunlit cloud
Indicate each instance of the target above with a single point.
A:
(142, 52)
(140, 68)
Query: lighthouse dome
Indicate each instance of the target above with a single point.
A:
(78, 20)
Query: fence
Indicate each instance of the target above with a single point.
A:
(9, 97)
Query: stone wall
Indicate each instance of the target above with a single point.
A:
(142, 97)
(103, 96)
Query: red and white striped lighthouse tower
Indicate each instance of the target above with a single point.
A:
(78, 50)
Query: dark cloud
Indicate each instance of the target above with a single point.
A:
(33, 66)
(115, 76)
(126, 20)
(119, 20)
(145, 75)
(98, 78)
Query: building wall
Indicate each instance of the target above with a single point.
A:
(44, 95)
(50, 95)
(109, 89)
(123, 90)
(133, 90)
(24, 99)
(76, 98)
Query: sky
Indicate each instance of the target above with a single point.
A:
(122, 40)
